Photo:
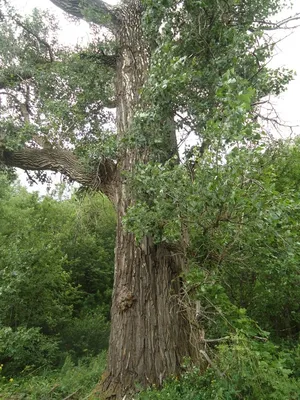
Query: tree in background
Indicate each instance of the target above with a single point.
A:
(169, 68)
(55, 289)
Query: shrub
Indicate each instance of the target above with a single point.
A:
(86, 336)
(26, 349)
(76, 380)
(242, 369)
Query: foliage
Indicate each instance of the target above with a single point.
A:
(76, 380)
(36, 291)
(86, 335)
(244, 369)
(51, 93)
(250, 245)
(208, 68)
(89, 243)
(230, 202)
(25, 49)
(26, 349)
(56, 277)
(244, 234)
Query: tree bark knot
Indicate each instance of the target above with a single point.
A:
(125, 299)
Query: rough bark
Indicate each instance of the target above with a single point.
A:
(149, 332)
(150, 335)
(65, 162)
(77, 9)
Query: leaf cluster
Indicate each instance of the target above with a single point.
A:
(56, 273)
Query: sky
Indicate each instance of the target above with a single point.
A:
(287, 55)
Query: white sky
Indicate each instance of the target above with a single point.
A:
(287, 55)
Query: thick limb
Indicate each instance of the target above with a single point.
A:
(97, 7)
(65, 162)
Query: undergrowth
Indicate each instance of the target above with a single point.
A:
(241, 370)
(75, 381)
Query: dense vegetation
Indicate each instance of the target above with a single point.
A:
(56, 282)
(229, 204)
(244, 271)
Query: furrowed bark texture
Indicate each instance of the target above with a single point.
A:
(149, 334)
(95, 9)
(65, 162)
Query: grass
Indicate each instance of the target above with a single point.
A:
(71, 381)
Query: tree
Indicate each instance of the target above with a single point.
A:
(56, 268)
(171, 66)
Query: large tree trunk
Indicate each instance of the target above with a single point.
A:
(149, 334)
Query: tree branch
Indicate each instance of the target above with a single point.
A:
(283, 24)
(76, 8)
(9, 79)
(65, 162)
(23, 107)
(38, 38)
(109, 60)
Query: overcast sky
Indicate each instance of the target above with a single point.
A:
(287, 55)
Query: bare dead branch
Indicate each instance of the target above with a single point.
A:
(218, 340)
(283, 24)
(72, 394)
(207, 358)
(30, 178)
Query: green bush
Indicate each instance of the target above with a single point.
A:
(26, 349)
(76, 380)
(250, 369)
(241, 369)
(86, 336)
(56, 273)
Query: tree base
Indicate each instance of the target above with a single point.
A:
(111, 389)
